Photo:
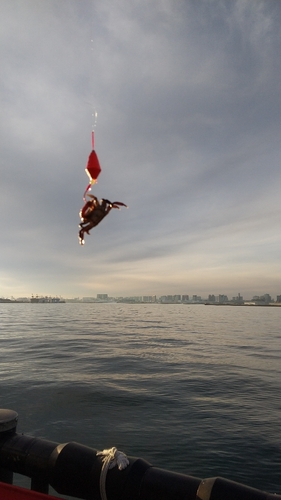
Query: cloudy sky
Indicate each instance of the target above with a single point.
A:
(188, 136)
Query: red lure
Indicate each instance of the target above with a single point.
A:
(93, 168)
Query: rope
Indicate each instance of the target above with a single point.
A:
(110, 458)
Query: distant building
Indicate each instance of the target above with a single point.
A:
(137, 298)
(223, 298)
(128, 300)
(149, 298)
(211, 298)
(262, 299)
(102, 296)
(170, 299)
(196, 298)
(185, 298)
(238, 300)
(45, 300)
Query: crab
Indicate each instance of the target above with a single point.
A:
(93, 212)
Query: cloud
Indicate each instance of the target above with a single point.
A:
(188, 135)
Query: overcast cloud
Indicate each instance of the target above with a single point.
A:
(188, 135)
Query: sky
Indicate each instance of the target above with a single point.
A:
(187, 95)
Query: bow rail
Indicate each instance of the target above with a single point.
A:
(75, 470)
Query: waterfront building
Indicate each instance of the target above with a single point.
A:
(223, 298)
(185, 298)
(102, 296)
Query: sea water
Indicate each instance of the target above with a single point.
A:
(190, 388)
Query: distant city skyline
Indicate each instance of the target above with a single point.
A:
(181, 297)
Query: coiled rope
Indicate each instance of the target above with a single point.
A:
(110, 458)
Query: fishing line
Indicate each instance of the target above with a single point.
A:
(94, 124)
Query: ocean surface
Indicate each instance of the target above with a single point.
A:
(190, 388)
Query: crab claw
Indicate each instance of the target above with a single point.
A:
(117, 204)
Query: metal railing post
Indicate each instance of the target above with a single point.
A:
(8, 426)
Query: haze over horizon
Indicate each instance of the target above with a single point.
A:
(187, 135)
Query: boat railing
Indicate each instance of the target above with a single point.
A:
(78, 471)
